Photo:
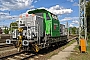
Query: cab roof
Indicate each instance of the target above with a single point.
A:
(39, 11)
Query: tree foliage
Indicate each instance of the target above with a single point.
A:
(88, 17)
(6, 31)
(73, 30)
(13, 26)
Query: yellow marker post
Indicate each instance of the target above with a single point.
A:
(83, 45)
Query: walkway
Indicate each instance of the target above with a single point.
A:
(64, 53)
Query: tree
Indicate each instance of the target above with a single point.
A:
(6, 31)
(88, 17)
(13, 26)
(73, 30)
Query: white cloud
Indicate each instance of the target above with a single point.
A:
(69, 18)
(71, 25)
(58, 10)
(71, 0)
(75, 4)
(35, 1)
(65, 19)
(6, 16)
(77, 26)
(14, 4)
(3, 14)
(75, 21)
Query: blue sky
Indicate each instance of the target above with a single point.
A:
(67, 10)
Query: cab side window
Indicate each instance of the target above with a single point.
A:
(47, 16)
(54, 17)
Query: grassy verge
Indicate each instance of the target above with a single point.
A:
(55, 52)
(80, 56)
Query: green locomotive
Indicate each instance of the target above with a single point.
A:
(51, 23)
(37, 30)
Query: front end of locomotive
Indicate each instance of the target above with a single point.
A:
(26, 37)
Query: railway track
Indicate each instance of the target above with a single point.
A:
(72, 39)
(27, 55)
(3, 45)
(19, 56)
(3, 37)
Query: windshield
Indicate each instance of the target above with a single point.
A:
(39, 14)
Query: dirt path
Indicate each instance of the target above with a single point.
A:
(64, 53)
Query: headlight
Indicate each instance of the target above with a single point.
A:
(8, 41)
(25, 43)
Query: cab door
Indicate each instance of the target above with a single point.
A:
(48, 23)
